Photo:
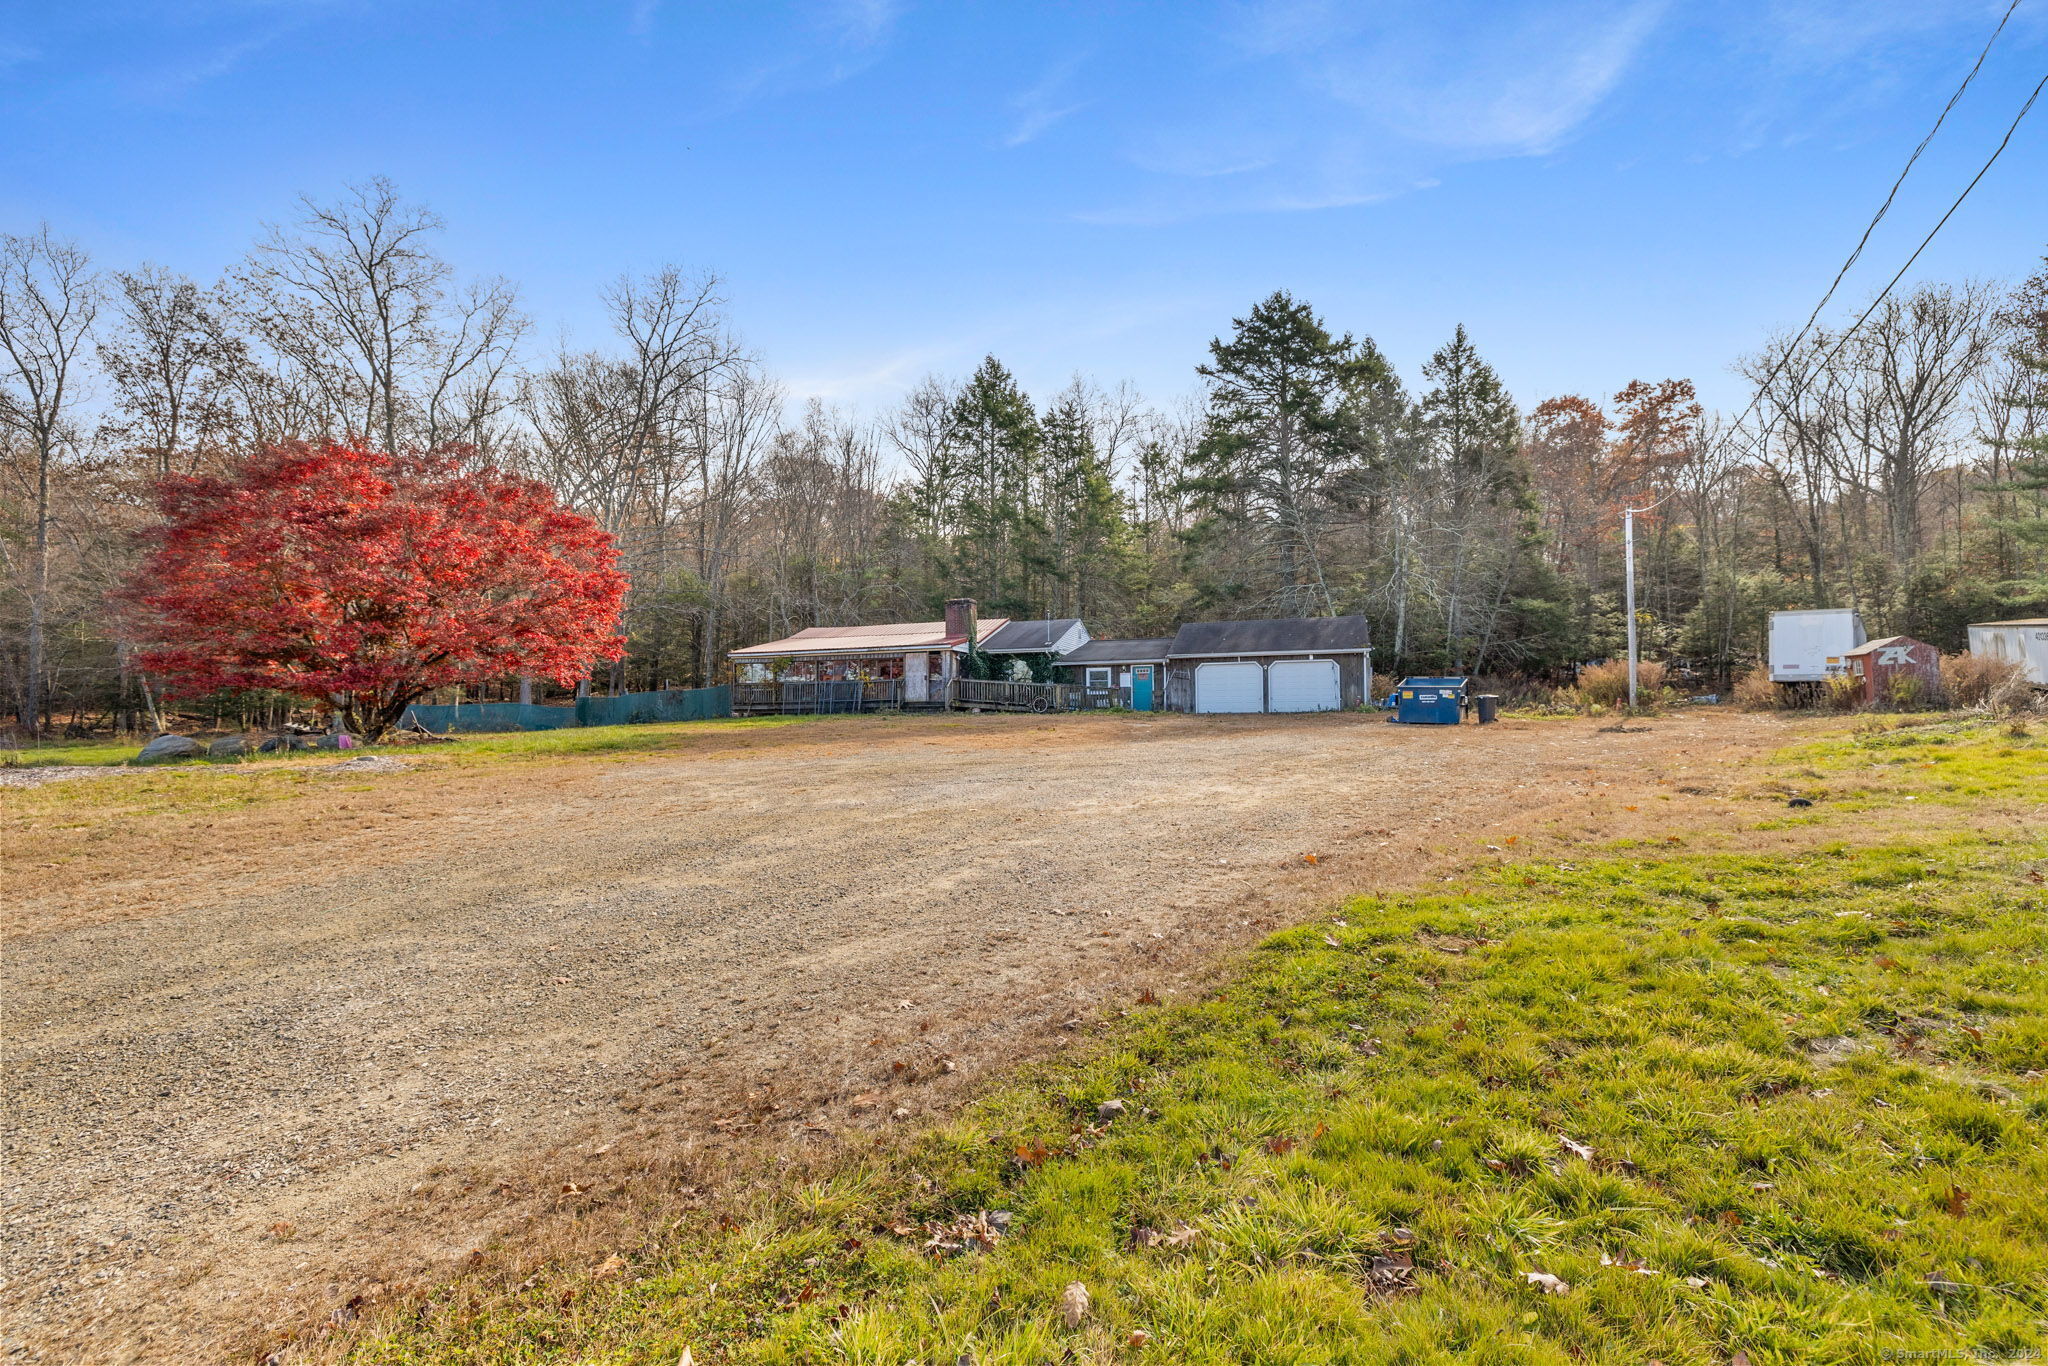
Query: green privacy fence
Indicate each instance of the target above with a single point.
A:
(672, 704)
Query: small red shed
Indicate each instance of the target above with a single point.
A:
(1895, 669)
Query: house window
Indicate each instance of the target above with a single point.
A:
(1098, 680)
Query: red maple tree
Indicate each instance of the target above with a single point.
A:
(366, 580)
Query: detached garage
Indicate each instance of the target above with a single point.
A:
(1288, 664)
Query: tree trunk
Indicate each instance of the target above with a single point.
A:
(38, 595)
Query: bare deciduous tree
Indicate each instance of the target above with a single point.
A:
(361, 314)
(49, 298)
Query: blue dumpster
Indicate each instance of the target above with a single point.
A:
(1428, 701)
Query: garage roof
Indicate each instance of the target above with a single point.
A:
(1273, 636)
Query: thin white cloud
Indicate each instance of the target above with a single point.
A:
(1488, 79)
(834, 40)
(640, 15)
(882, 380)
(861, 23)
(1045, 103)
(1317, 104)
(170, 82)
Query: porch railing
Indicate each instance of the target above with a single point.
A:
(793, 698)
(1007, 696)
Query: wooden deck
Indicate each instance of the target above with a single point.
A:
(960, 694)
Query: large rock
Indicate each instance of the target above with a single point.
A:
(339, 739)
(229, 745)
(167, 747)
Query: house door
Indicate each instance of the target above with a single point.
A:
(1141, 687)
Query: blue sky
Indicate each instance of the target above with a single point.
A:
(1598, 189)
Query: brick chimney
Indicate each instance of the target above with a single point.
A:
(960, 618)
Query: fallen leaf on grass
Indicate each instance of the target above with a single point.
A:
(1578, 1150)
(1391, 1273)
(1544, 1281)
(1955, 1201)
(1182, 1236)
(1640, 1268)
(983, 1230)
(1280, 1147)
(1309, 858)
(610, 1266)
(1139, 1337)
(1074, 1304)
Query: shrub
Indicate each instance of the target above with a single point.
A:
(1754, 691)
(1982, 681)
(1606, 684)
(1841, 692)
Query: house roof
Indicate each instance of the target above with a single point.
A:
(1149, 651)
(1281, 636)
(1867, 646)
(1027, 637)
(892, 638)
(2024, 621)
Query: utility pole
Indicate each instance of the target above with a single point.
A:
(1628, 541)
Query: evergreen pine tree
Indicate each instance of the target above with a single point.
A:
(996, 442)
(1286, 432)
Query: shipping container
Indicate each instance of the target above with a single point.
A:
(2024, 643)
(1812, 646)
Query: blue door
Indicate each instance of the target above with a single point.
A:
(1141, 687)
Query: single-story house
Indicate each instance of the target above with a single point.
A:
(1131, 668)
(921, 657)
(1287, 664)
(1895, 669)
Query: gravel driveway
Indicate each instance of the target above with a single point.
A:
(222, 1113)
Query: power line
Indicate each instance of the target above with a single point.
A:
(1882, 294)
(1899, 275)
(1884, 208)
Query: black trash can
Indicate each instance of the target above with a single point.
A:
(1488, 706)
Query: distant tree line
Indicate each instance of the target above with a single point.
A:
(1901, 469)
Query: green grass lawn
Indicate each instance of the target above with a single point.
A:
(538, 744)
(1786, 1105)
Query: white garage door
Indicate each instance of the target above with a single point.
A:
(1302, 685)
(1230, 687)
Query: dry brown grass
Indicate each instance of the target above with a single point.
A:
(1754, 691)
(1972, 680)
(1606, 685)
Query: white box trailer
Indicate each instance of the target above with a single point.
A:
(1811, 646)
(2024, 643)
